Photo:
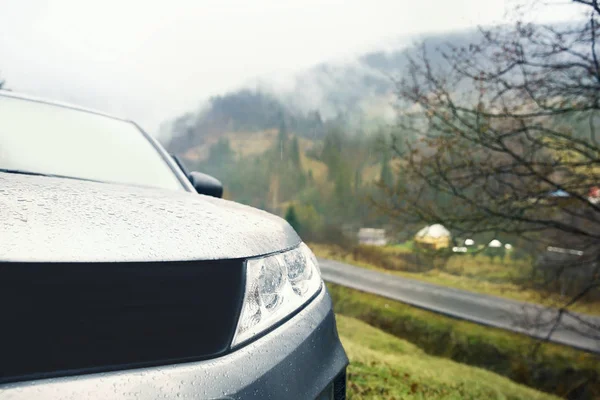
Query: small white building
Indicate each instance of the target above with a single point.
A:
(434, 236)
(372, 236)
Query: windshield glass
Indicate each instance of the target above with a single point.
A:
(48, 139)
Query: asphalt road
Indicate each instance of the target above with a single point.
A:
(511, 315)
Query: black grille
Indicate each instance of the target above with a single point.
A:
(62, 318)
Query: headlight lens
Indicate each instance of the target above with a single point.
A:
(276, 286)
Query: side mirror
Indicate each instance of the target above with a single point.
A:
(203, 183)
(206, 184)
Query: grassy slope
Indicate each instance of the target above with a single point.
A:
(244, 144)
(247, 144)
(475, 274)
(385, 367)
(251, 143)
(318, 168)
(553, 369)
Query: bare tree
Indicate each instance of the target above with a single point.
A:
(507, 143)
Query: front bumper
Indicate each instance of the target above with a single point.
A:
(300, 359)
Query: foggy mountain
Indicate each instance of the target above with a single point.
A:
(312, 141)
(358, 94)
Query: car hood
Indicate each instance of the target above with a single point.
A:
(65, 220)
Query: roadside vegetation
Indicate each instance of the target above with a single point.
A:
(383, 366)
(507, 277)
(555, 369)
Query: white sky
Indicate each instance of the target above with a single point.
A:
(151, 60)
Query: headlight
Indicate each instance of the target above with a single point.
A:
(276, 286)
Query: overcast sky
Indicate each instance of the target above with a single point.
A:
(151, 60)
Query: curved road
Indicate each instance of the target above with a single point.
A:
(502, 313)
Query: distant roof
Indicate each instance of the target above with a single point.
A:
(370, 233)
(559, 193)
(434, 231)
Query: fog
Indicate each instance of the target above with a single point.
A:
(150, 61)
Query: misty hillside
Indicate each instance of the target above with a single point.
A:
(313, 147)
(357, 95)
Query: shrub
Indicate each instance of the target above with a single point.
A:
(553, 368)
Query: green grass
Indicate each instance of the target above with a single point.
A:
(385, 367)
(244, 144)
(553, 368)
(472, 273)
(319, 169)
(401, 247)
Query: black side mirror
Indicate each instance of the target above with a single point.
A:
(206, 184)
(203, 183)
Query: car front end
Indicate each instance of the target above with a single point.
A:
(121, 279)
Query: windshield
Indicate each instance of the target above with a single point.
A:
(52, 140)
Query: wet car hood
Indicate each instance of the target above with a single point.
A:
(66, 220)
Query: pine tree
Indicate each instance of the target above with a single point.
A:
(292, 218)
(295, 152)
(282, 137)
(386, 176)
(358, 178)
(221, 153)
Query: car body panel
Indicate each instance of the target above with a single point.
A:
(46, 219)
(297, 360)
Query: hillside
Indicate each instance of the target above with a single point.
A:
(318, 143)
(357, 94)
(326, 180)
